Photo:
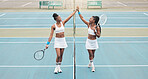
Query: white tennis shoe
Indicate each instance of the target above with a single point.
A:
(56, 70)
(59, 69)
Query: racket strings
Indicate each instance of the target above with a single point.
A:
(103, 19)
(39, 55)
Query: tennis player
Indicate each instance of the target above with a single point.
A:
(60, 42)
(93, 32)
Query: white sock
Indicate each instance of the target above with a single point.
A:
(57, 63)
(91, 61)
(92, 64)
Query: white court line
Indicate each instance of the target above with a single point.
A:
(121, 3)
(26, 4)
(2, 14)
(145, 14)
(84, 27)
(79, 42)
(125, 2)
(36, 25)
(21, 25)
(50, 66)
(69, 12)
(127, 24)
(85, 18)
(114, 65)
(136, 2)
(4, 0)
(9, 66)
(76, 37)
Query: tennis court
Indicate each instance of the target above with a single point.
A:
(118, 57)
(45, 20)
(122, 53)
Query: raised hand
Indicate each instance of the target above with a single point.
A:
(77, 8)
(46, 46)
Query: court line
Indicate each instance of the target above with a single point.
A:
(4, 0)
(121, 3)
(2, 14)
(79, 42)
(114, 65)
(68, 37)
(83, 12)
(136, 2)
(83, 37)
(145, 14)
(26, 4)
(50, 66)
(21, 25)
(125, 2)
(85, 18)
(77, 27)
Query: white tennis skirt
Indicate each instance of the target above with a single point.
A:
(60, 43)
(91, 44)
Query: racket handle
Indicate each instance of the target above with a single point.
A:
(46, 46)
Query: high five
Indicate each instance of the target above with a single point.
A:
(94, 31)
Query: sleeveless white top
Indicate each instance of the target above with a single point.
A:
(90, 31)
(59, 29)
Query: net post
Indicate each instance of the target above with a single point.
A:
(74, 29)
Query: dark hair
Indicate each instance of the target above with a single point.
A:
(96, 18)
(55, 15)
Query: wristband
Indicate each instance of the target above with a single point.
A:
(48, 43)
(79, 13)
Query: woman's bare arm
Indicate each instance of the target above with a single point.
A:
(67, 19)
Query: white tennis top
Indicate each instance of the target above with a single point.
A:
(59, 29)
(90, 31)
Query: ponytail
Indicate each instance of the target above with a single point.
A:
(96, 18)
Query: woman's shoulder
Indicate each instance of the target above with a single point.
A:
(53, 26)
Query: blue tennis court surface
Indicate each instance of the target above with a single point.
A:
(117, 58)
(45, 19)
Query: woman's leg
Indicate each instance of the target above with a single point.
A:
(61, 54)
(57, 60)
(93, 67)
(91, 57)
(58, 54)
(93, 53)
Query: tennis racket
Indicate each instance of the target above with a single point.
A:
(103, 19)
(39, 55)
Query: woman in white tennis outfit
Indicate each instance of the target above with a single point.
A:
(94, 31)
(60, 42)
